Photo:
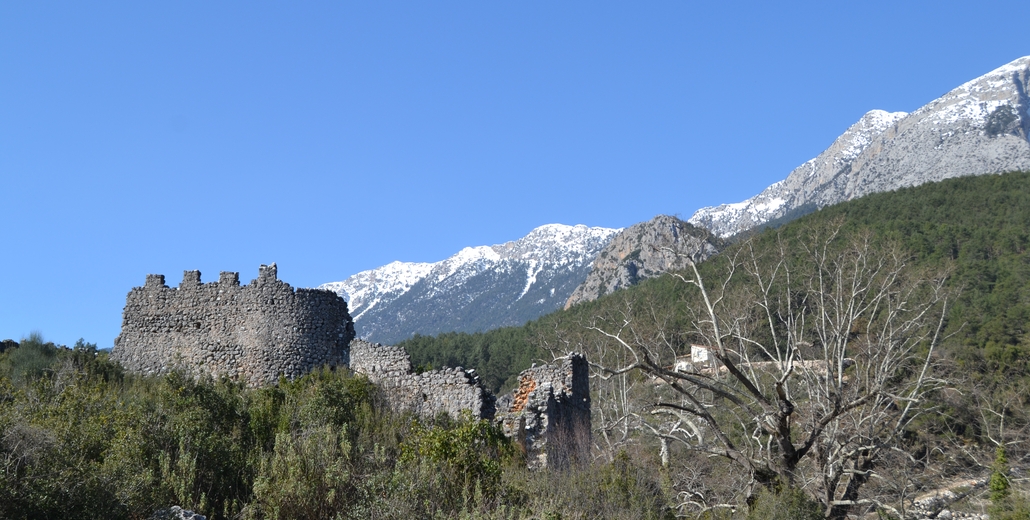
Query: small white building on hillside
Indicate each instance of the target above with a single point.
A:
(700, 357)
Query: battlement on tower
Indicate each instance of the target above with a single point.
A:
(257, 332)
(266, 329)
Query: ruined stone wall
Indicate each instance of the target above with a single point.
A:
(549, 413)
(266, 330)
(379, 361)
(450, 390)
(257, 332)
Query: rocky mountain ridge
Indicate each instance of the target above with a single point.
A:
(642, 251)
(478, 288)
(978, 128)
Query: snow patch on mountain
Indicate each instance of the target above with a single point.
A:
(548, 254)
(948, 137)
(531, 271)
(367, 289)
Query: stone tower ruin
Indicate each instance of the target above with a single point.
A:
(548, 415)
(257, 332)
(266, 330)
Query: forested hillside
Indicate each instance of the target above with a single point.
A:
(975, 226)
(914, 303)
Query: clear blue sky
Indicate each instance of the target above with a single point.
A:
(334, 137)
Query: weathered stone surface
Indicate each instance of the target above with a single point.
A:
(257, 332)
(642, 251)
(450, 390)
(549, 413)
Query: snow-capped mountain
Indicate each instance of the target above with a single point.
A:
(978, 128)
(479, 288)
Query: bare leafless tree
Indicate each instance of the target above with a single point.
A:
(823, 355)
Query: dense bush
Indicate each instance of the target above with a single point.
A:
(79, 438)
(787, 504)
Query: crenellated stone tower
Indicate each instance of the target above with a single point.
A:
(257, 332)
(266, 330)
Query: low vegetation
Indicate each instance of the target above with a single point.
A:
(82, 439)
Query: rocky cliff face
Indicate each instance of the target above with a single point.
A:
(642, 251)
(479, 288)
(981, 127)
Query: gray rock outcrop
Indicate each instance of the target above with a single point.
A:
(644, 250)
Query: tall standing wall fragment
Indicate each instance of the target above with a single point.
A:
(549, 413)
(257, 332)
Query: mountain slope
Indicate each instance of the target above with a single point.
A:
(978, 128)
(478, 288)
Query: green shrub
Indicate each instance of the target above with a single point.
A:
(449, 465)
(307, 475)
(788, 504)
(31, 359)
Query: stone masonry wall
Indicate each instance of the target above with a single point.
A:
(549, 413)
(450, 390)
(378, 361)
(257, 332)
(266, 330)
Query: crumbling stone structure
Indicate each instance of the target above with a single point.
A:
(450, 390)
(257, 332)
(267, 330)
(549, 413)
